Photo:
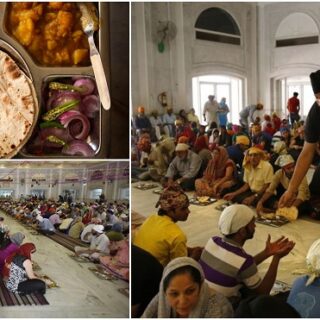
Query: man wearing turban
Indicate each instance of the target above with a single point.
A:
(258, 175)
(160, 235)
(279, 184)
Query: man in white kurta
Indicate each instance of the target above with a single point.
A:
(210, 110)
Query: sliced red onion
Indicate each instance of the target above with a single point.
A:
(90, 105)
(62, 134)
(63, 97)
(52, 97)
(78, 147)
(87, 84)
(77, 123)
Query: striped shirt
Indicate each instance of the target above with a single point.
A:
(227, 267)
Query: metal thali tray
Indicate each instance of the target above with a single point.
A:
(39, 75)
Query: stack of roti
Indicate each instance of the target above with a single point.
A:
(18, 107)
(290, 213)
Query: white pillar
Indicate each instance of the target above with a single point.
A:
(142, 57)
(17, 189)
(59, 187)
(50, 188)
(177, 56)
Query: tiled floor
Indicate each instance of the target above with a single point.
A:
(81, 293)
(202, 224)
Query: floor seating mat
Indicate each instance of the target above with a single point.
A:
(8, 298)
(66, 241)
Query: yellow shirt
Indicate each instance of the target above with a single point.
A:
(259, 176)
(161, 237)
(75, 230)
(280, 177)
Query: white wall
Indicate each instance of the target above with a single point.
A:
(22, 181)
(185, 56)
(257, 60)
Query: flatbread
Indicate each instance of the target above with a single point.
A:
(18, 107)
(290, 213)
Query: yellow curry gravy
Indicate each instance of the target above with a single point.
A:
(50, 31)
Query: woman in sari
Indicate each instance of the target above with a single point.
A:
(183, 293)
(219, 174)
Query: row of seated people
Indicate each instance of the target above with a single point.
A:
(158, 156)
(157, 125)
(239, 173)
(104, 247)
(220, 279)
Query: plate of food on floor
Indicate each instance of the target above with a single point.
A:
(202, 201)
(146, 186)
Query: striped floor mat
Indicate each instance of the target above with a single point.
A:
(66, 240)
(8, 298)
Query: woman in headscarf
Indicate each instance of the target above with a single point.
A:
(21, 278)
(25, 250)
(15, 241)
(305, 293)
(219, 174)
(183, 293)
(222, 112)
(202, 141)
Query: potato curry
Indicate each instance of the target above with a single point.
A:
(50, 31)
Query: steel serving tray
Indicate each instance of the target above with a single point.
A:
(39, 75)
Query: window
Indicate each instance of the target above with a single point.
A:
(220, 86)
(95, 194)
(215, 24)
(297, 29)
(124, 194)
(303, 87)
(6, 193)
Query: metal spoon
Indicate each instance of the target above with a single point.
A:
(89, 26)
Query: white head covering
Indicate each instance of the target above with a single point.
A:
(159, 305)
(284, 160)
(313, 261)
(39, 218)
(98, 228)
(280, 147)
(182, 147)
(234, 217)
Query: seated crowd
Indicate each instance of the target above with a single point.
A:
(100, 228)
(248, 166)
(252, 166)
